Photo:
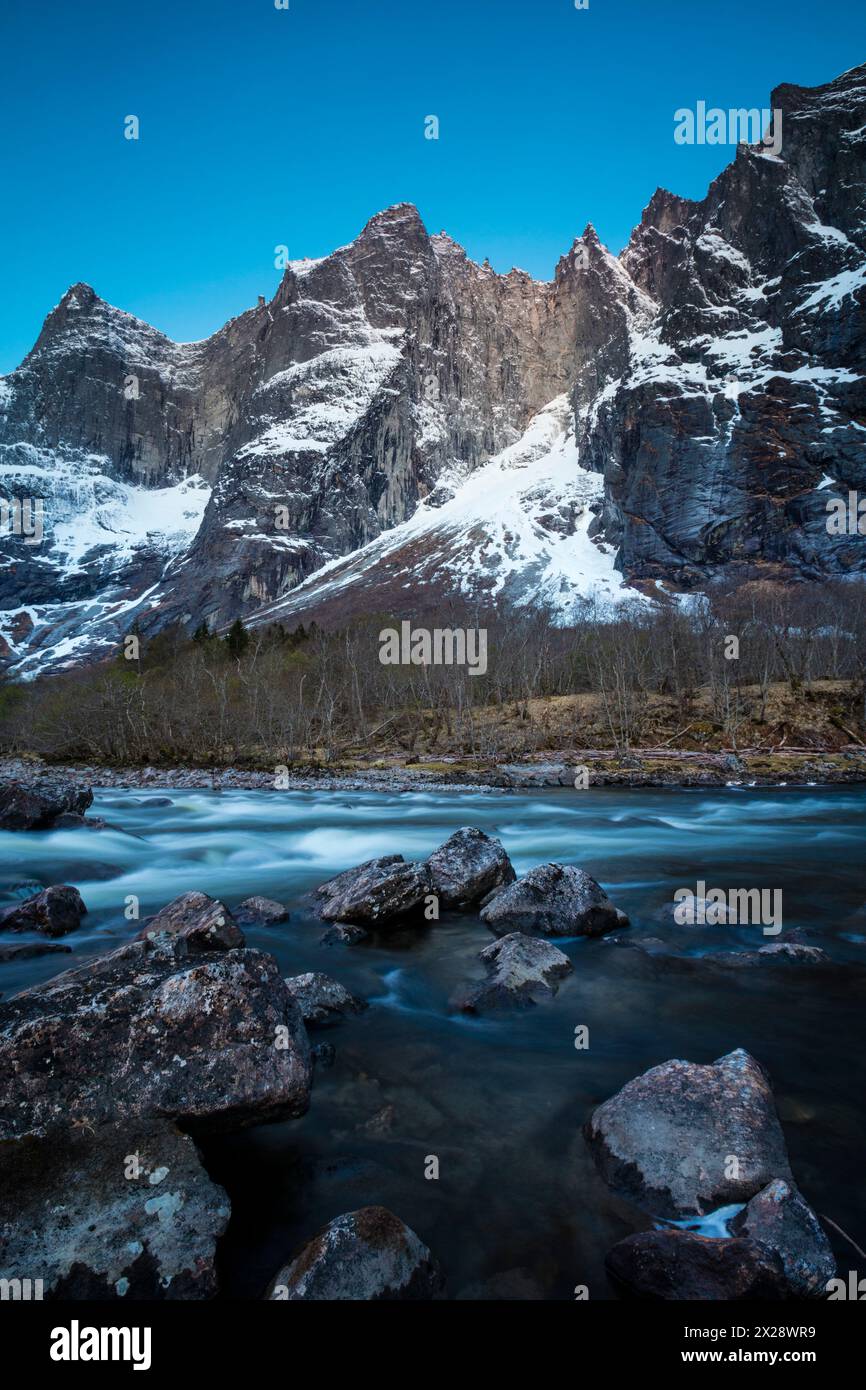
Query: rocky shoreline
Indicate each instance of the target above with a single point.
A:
(586, 768)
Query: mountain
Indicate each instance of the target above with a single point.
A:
(399, 420)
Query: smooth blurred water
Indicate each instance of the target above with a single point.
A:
(500, 1101)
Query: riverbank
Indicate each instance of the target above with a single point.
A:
(639, 767)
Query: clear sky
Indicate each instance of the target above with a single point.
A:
(261, 127)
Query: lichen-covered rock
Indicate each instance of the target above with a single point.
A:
(377, 894)
(54, 912)
(334, 887)
(684, 1138)
(553, 900)
(682, 1265)
(126, 1212)
(778, 1217)
(260, 912)
(467, 867)
(321, 999)
(367, 1255)
(160, 1027)
(521, 971)
(35, 805)
(204, 922)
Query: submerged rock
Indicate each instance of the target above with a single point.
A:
(54, 912)
(36, 805)
(260, 912)
(681, 1265)
(367, 1255)
(343, 936)
(204, 922)
(684, 1138)
(779, 1218)
(376, 894)
(522, 971)
(30, 949)
(160, 1027)
(467, 867)
(321, 999)
(125, 1212)
(553, 900)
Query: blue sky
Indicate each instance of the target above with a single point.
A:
(262, 127)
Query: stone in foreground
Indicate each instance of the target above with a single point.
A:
(674, 1265)
(54, 912)
(378, 894)
(553, 900)
(684, 1139)
(160, 1027)
(367, 1255)
(522, 972)
(780, 1219)
(467, 867)
(321, 999)
(77, 1217)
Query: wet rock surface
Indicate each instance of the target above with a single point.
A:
(126, 1212)
(686, 1138)
(53, 912)
(367, 1255)
(553, 900)
(522, 971)
(204, 922)
(257, 911)
(160, 1027)
(37, 802)
(321, 999)
(780, 1219)
(377, 894)
(467, 867)
(681, 1265)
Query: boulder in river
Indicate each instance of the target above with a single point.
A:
(160, 1027)
(343, 936)
(204, 922)
(36, 805)
(367, 1255)
(685, 1138)
(779, 1218)
(321, 999)
(126, 1211)
(467, 867)
(553, 900)
(260, 912)
(334, 887)
(376, 894)
(28, 950)
(682, 1265)
(522, 971)
(53, 912)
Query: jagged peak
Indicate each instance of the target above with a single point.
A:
(398, 216)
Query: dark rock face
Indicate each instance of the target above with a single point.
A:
(467, 867)
(343, 936)
(160, 1027)
(367, 1255)
(54, 912)
(682, 1265)
(204, 922)
(712, 376)
(376, 895)
(258, 911)
(32, 949)
(37, 805)
(553, 900)
(685, 1139)
(126, 1212)
(522, 971)
(779, 1219)
(321, 999)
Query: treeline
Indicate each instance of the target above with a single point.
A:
(266, 697)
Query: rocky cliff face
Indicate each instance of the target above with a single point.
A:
(399, 416)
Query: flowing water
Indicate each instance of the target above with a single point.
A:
(499, 1100)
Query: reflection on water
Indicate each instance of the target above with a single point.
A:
(499, 1100)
